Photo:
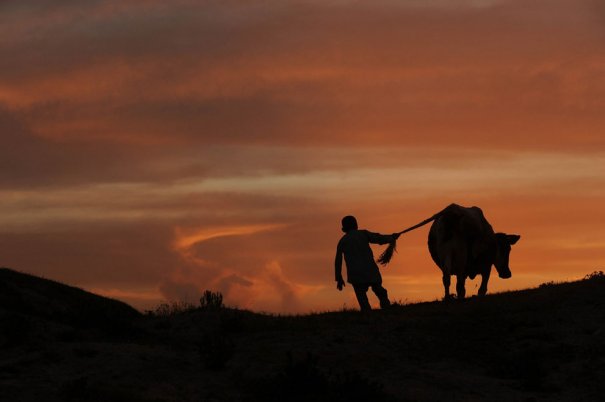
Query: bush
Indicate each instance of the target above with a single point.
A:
(211, 300)
(595, 275)
(173, 308)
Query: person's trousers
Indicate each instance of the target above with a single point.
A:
(362, 296)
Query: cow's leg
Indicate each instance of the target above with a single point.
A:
(447, 272)
(446, 285)
(461, 292)
(460, 266)
(484, 280)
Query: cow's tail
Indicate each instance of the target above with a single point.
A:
(386, 256)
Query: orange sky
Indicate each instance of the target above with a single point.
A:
(151, 149)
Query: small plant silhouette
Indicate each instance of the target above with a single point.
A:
(595, 275)
(170, 309)
(211, 300)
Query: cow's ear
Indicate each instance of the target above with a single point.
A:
(512, 239)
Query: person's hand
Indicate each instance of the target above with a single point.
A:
(340, 284)
(396, 235)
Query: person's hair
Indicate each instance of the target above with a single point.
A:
(349, 223)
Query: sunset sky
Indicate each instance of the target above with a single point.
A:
(153, 149)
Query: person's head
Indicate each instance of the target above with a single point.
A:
(349, 223)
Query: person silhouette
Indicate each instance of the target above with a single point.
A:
(362, 271)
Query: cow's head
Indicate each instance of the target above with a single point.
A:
(503, 253)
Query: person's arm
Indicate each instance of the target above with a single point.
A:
(377, 238)
(338, 268)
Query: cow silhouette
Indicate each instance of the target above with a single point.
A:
(462, 243)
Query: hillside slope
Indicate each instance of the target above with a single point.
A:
(26, 295)
(531, 345)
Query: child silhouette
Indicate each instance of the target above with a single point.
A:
(362, 271)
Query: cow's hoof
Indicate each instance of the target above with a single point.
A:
(458, 298)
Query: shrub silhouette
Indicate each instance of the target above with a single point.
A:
(595, 275)
(171, 309)
(211, 300)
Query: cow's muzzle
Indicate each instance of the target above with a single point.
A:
(505, 275)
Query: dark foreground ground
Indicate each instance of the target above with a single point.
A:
(62, 344)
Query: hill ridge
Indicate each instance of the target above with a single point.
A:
(544, 343)
(36, 296)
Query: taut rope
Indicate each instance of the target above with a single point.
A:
(386, 256)
(424, 222)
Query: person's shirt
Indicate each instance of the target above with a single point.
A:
(361, 267)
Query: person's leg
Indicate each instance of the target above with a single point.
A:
(382, 295)
(362, 296)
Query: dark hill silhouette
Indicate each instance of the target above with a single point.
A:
(33, 296)
(546, 343)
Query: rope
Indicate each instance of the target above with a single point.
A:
(386, 256)
(424, 222)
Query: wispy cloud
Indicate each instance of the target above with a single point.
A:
(142, 140)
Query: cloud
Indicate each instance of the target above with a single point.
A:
(311, 74)
(227, 282)
(289, 292)
(266, 289)
(103, 255)
(28, 160)
(232, 261)
(155, 148)
(187, 238)
(180, 291)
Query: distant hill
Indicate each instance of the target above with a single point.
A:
(37, 297)
(542, 344)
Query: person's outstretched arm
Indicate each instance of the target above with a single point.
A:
(377, 238)
(338, 268)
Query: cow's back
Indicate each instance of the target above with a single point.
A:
(463, 230)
